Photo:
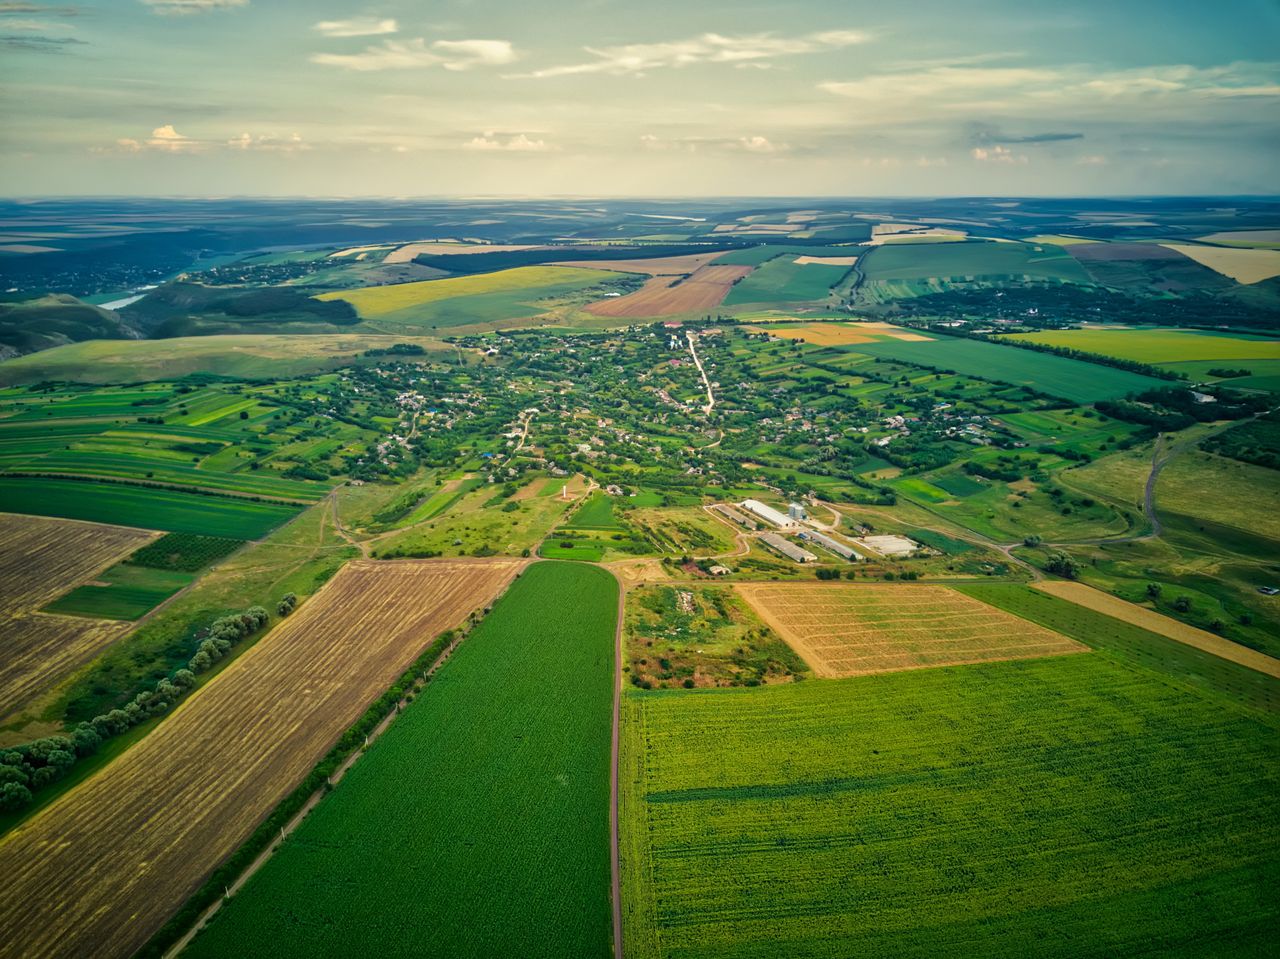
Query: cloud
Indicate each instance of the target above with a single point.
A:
(187, 7)
(268, 143)
(1093, 160)
(997, 154)
(758, 144)
(416, 53)
(9, 8)
(38, 44)
(637, 58)
(520, 143)
(355, 27)
(169, 140)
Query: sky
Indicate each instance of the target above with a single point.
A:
(652, 98)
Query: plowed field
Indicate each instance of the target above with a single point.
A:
(703, 290)
(855, 630)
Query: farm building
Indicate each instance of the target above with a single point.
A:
(731, 514)
(787, 548)
(835, 546)
(767, 513)
(891, 546)
(796, 512)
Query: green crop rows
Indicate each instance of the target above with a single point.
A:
(148, 508)
(478, 825)
(1073, 806)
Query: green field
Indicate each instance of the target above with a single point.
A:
(478, 825)
(596, 514)
(782, 280)
(1162, 346)
(1074, 806)
(146, 508)
(755, 255)
(469, 300)
(1074, 380)
(126, 592)
(958, 261)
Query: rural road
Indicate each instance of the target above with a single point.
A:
(711, 400)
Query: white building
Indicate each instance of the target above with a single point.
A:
(767, 513)
(796, 512)
(787, 548)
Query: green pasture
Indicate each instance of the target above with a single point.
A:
(127, 591)
(958, 261)
(1162, 346)
(783, 280)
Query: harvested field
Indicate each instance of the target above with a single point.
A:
(44, 558)
(101, 870)
(703, 290)
(827, 260)
(657, 266)
(1245, 237)
(1105, 603)
(856, 630)
(1242, 265)
(40, 650)
(406, 253)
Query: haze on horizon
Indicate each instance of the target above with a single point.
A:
(742, 98)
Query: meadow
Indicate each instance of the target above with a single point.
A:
(468, 300)
(785, 280)
(143, 507)
(121, 592)
(1070, 806)
(478, 825)
(1073, 380)
(185, 797)
(958, 261)
(1161, 345)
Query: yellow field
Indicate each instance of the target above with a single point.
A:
(841, 334)
(1056, 239)
(1150, 620)
(1244, 237)
(848, 630)
(406, 253)
(99, 871)
(374, 301)
(827, 260)
(42, 559)
(1242, 265)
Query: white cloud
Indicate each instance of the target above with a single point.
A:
(183, 7)
(272, 144)
(169, 140)
(417, 53)
(356, 27)
(758, 144)
(1092, 160)
(635, 58)
(997, 154)
(520, 143)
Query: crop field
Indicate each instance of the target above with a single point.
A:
(1162, 346)
(1084, 595)
(478, 825)
(1072, 806)
(1074, 380)
(42, 559)
(595, 513)
(959, 261)
(853, 630)
(121, 592)
(243, 356)
(1148, 267)
(654, 266)
(116, 503)
(466, 300)
(664, 296)
(1242, 265)
(785, 279)
(187, 795)
(754, 256)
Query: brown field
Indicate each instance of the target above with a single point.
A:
(1149, 619)
(840, 334)
(703, 290)
(43, 559)
(655, 266)
(100, 870)
(1241, 264)
(848, 630)
(407, 252)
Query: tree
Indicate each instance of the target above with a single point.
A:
(13, 796)
(1153, 590)
(1060, 564)
(1182, 604)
